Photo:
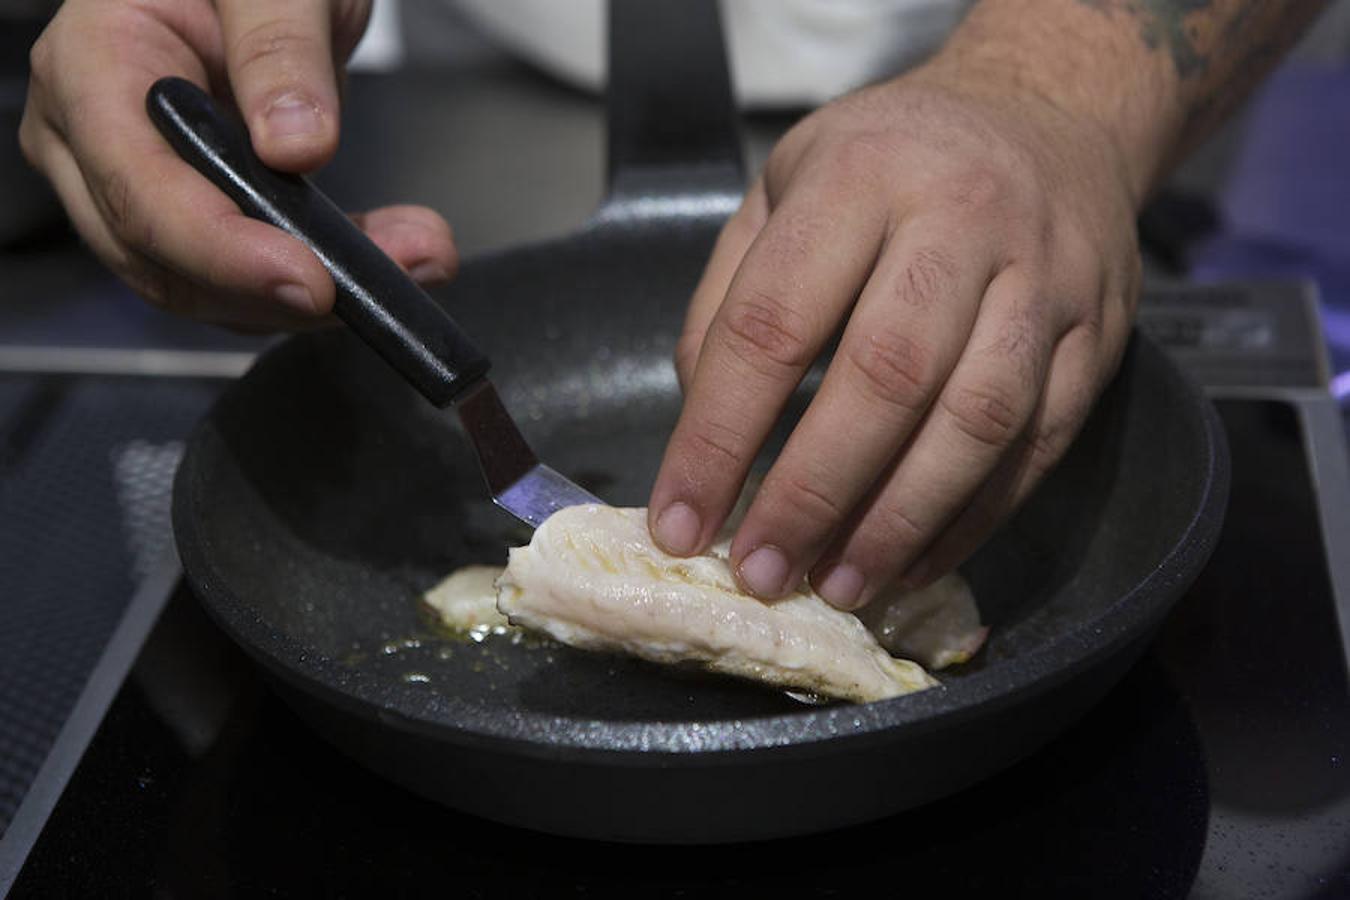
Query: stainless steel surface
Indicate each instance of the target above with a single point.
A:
(520, 484)
(1325, 441)
(1248, 334)
(1264, 341)
(125, 361)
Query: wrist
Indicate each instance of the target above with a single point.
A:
(1081, 72)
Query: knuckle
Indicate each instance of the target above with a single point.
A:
(857, 166)
(121, 209)
(419, 218)
(271, 43)
(888, 538)
(788, 153)
(988, 414)
(979, 188)
(1044, 448)
(438, 229)
(1046, 445)
(927, 274)
(896, 530)
(744, 223)
(125, 24)
(718, 441)
(124, 212)
(1073, 242)
(1089, 326)
(790, 237)
(778, 168)
(40, 56)
(1020, 347)
(893, 369)
(760, 328)
(805, 498)
(1077, 406)
(859, 158)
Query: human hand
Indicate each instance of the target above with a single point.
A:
(156, 222)
(977, 245)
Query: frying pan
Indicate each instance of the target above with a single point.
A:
(321, 495)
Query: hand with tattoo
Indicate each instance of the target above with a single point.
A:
(968, 230)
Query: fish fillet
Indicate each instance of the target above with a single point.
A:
(939, 625)
(592, 578)
(466, 601)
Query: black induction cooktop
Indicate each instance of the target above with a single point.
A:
(1220, 767)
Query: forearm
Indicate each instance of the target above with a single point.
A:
(1156, 76)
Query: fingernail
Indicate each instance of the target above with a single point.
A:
(915, 576)
(297, 297)
(677, 529)
(842, 586)
(765, 571)
(293, 116)
(429, 271)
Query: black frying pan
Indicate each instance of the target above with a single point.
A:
(322, 495)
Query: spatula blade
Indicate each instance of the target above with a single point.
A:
(519, 482)
(539, 493)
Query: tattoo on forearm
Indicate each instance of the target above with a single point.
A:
(1219, 48)
(1163, 26)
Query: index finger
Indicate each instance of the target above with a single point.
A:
(735, 239)
(801, 274)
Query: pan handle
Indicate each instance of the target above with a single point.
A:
(674, 135)
(385, 307)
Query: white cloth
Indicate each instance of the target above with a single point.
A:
(783, 53)
(381, 47)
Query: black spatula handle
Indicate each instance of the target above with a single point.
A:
(374, 297)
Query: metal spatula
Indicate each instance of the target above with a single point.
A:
(375, 298)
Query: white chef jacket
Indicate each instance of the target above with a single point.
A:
(783, 53)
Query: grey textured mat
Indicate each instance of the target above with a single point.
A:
(85, 470)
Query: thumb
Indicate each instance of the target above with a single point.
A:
(280, 62)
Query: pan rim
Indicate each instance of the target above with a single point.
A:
(663, 743)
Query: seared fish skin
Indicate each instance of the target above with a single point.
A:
(592, 578)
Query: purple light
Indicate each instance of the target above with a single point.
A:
(1340, 386)
(1336, 325)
